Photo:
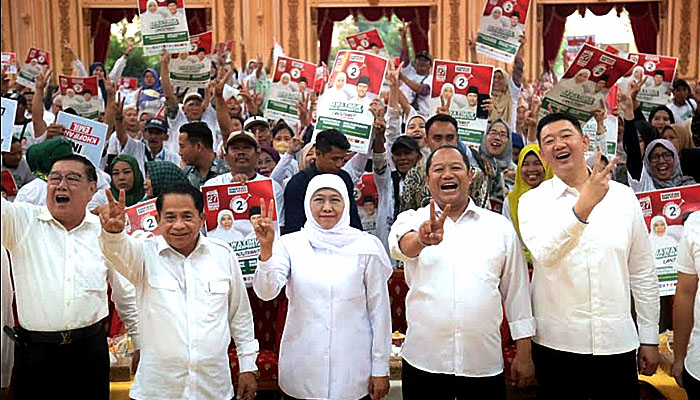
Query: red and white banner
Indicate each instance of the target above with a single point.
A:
(141, 217)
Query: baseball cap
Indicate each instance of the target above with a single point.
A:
(680, 83)
(407, 142)
(242, 135)
(255, 120)
(424, 54)
(156, 123)
(191, 96)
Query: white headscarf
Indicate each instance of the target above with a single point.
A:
(227, 235)
(341, 238)
(657, 241)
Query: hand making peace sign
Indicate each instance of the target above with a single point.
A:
(431, 231)
(113, 217)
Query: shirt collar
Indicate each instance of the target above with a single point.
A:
(90, 218)
(162, 245)
(472, 208)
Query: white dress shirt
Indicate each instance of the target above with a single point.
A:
(60, 280)
(456, 288)
(338, 329)
(583, 273)
(227, 178)
(190, 307)
(688, 262)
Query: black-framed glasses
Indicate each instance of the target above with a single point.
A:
(667, 156)
(72, 178)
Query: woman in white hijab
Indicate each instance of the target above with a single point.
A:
(224, 228)
(659, 233)
(336, 341)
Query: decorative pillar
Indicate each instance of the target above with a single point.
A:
(293, 26)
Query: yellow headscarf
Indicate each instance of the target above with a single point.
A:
(521, 187)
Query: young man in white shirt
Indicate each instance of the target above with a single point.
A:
(590, 248)
(193, 302)
(682, 105)
(686, 310)
(61, 289)
(462, 263)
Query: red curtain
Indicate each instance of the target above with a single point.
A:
(102, 19)
(419, 17)
(644, 18)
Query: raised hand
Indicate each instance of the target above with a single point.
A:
(403, 28)
(42, 79)
(303, 109)
(54, 130)
(445, 102)
(297, 141)
(220, 83)
(113, 218)
(393, 76)
(264, 230)
(164, 59)
(431, 231)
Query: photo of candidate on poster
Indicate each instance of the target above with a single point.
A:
(163, 25)
(366, 197)
(291, 78)
(664, 213)
(356, 79)
(141, 219)
(82, 95)
(9, 110)
(9, 62)
(229, 209)
(654, 75)
(36, 63)
(192, 69)
(607, 143)
(367, 41)
(585, 85)
(500, 28)
(461, 87)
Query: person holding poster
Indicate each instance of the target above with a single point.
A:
(336, 343)
(185, 336)
(415, 79)
(81, 94)
(589, 255)
(289, 85)
(163, 27)
(61, 287)
(576, 93)
(501, 26)
(652, 75)
(356, 79)
(686, 310)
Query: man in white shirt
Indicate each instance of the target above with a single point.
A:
(686, 310)
(590, 248)
(61, 289)
(242, 157)
(150, 149)
(682, 105)
(416, 80)
(462, 263)
(193, 302)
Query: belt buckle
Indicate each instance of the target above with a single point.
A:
(65, 336)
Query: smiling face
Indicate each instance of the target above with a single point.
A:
(404, 159)
(179, 222)
(416, 129)
(562, 147)
(68, 190)
(362, 90)
(172, 7)
(659, 228)
(123, 175)
(532, 170)
(658, 80)
(662, 162)
(265, 164)
(514, 21)
(241, 156)
(282, 140)
(496, 139)
(497, 13)
(661, 120)
(472, 99)
(581, 77)
(448, 179)
(441, 133)
(193, 109)
(285, 79)
(340, 81)
(327, 207)
(226, 221)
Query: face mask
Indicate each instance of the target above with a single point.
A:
(280, 146)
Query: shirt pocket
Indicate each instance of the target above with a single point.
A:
(163, 282)
(217, 287)
(91, 276)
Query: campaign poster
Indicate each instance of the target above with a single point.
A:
(291, 78)
(664, 213)
(141, 218)
(88, 136)
(228, 210)
(356, 79)
(193, 69)
(655, 76)
(606, 143)
(463, 87)
(163, 25)
(320, 79)
(8, 184)
(367, 41)
(36, 63)
(574, 44)
(367, 199)
(9, 62)
(612, 49)
(126, 83)
(82, 95)
(585, 85)
(9, 109)
(500, 28)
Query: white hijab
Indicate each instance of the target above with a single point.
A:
(227, 235)
(657, 241)
(341, 238)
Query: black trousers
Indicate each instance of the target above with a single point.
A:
(564, 375)
(288, 397)
(417, 384)
(78, 370)
(691, 386)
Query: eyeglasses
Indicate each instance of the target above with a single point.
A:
(72, 178)
(500, 134)
(667, 156)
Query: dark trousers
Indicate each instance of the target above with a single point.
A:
(417, 384)
(78, 370)
(287, 397)
(691, 386)
(564, 375)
